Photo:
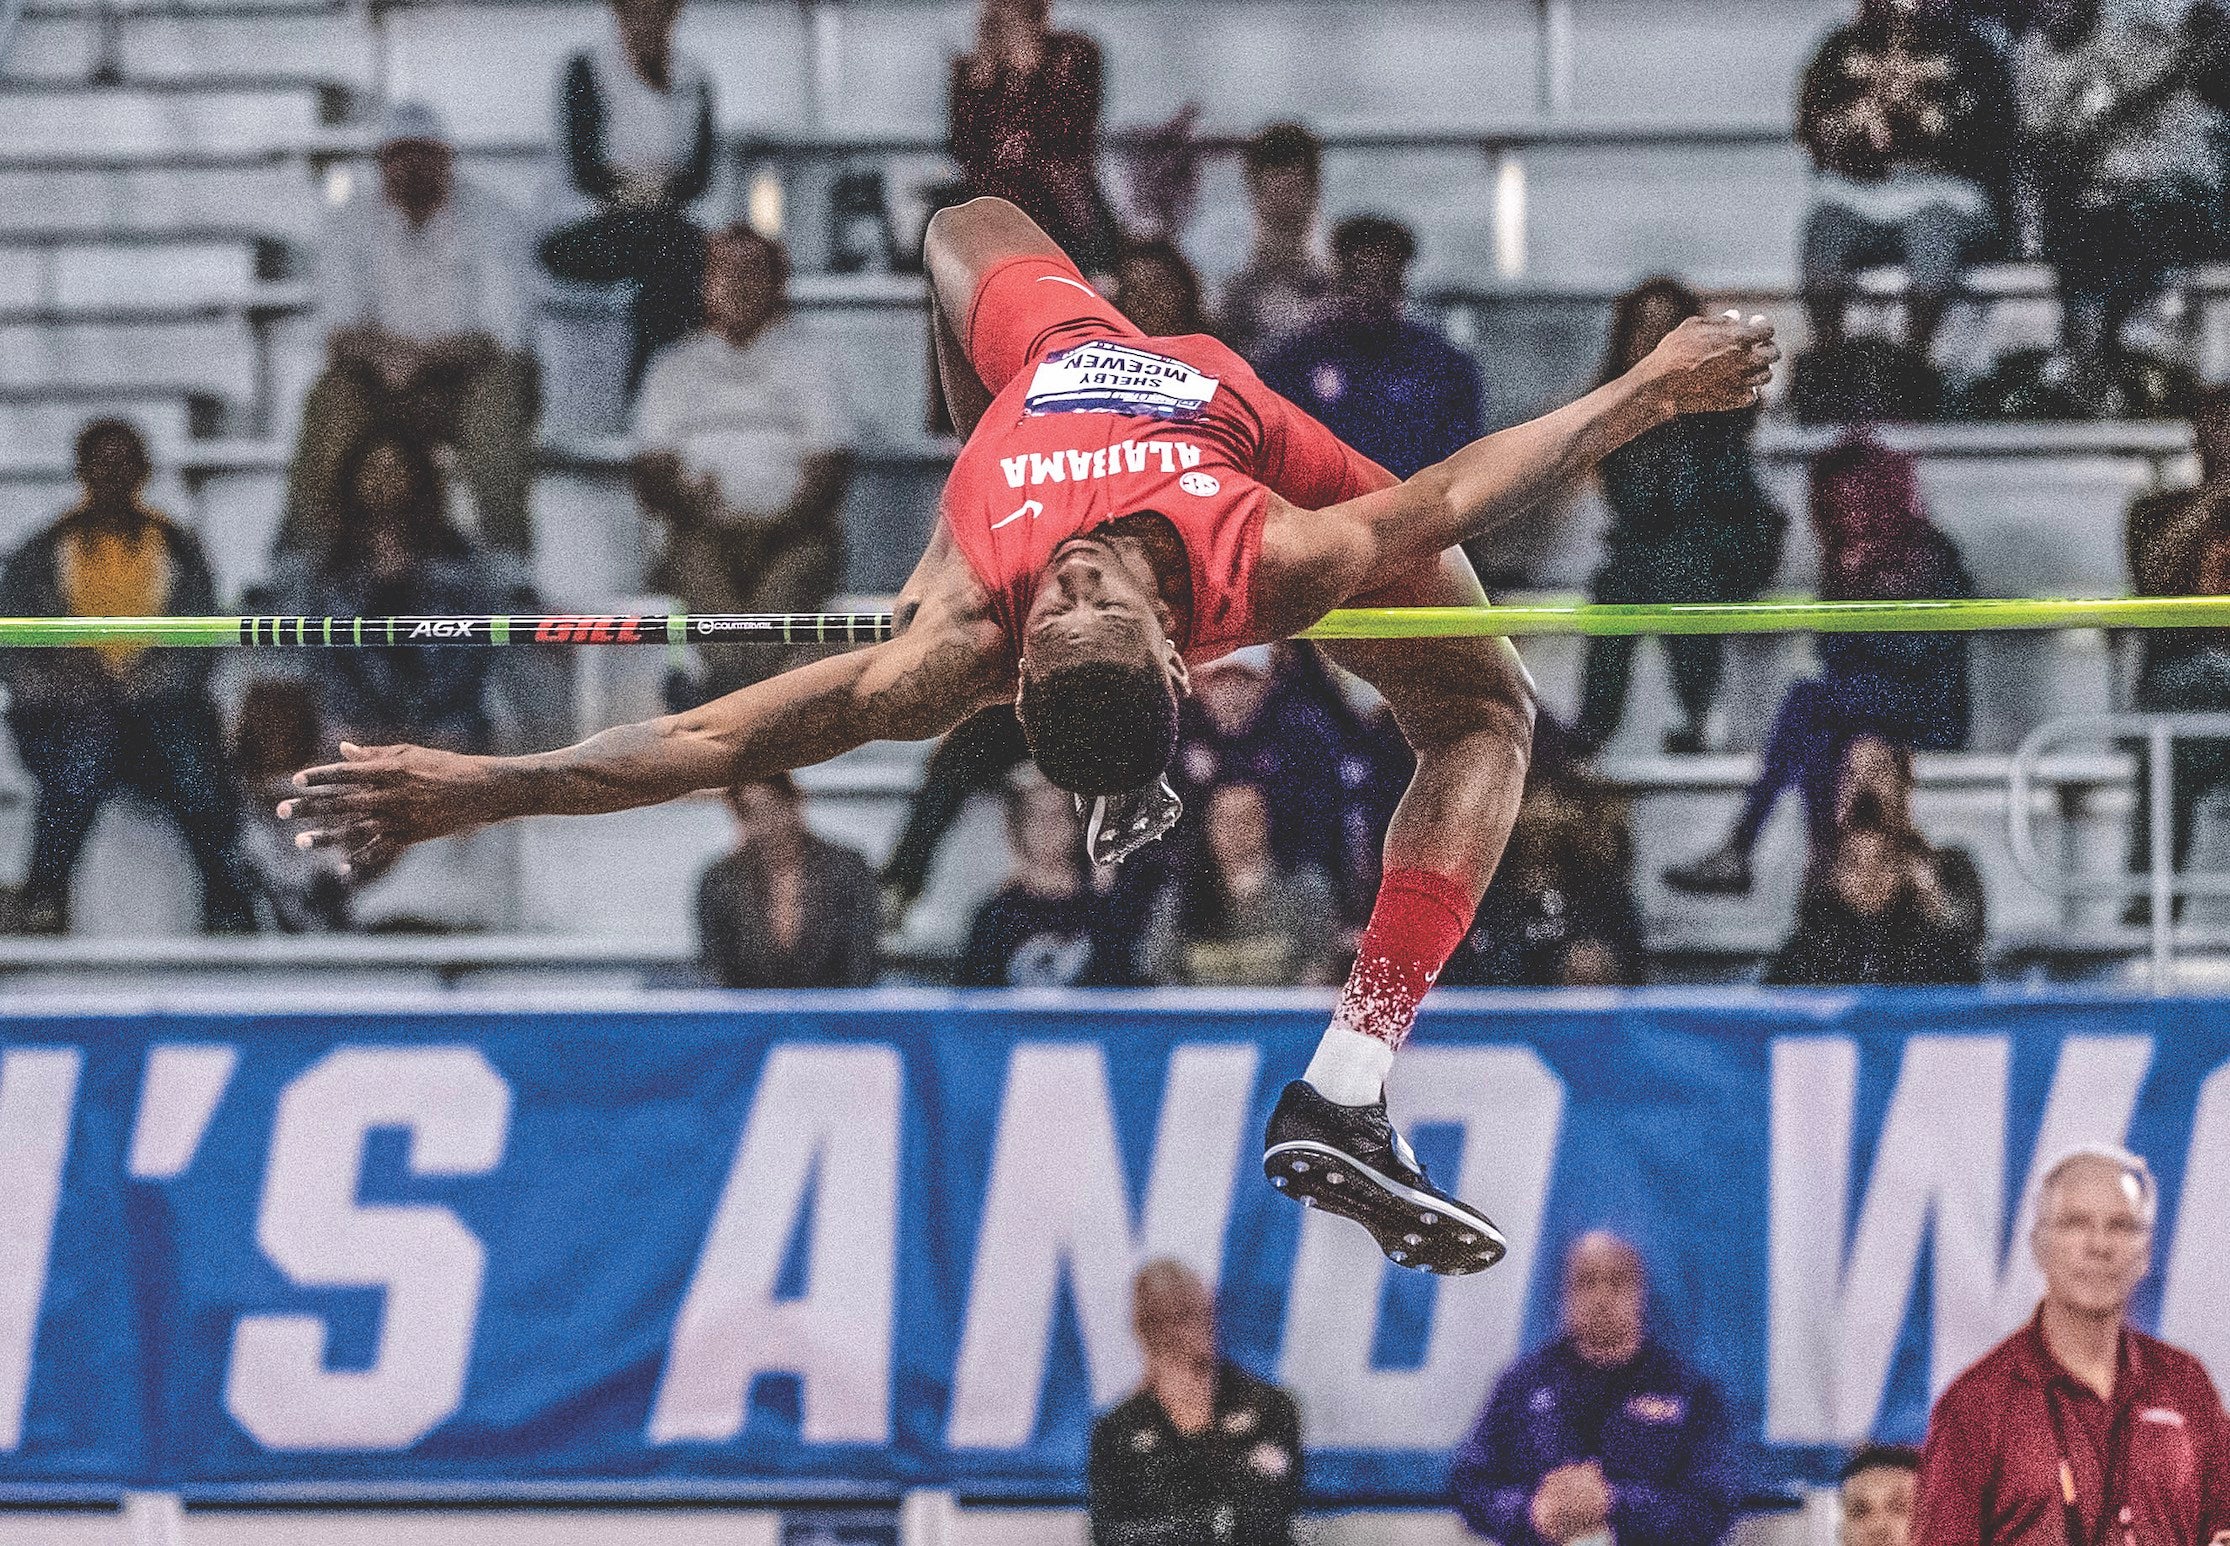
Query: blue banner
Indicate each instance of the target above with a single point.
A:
(853, 1244)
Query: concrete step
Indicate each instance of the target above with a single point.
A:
(323, 42)
(216, 355)
(181, 117)
(178, 268)
(274, 195)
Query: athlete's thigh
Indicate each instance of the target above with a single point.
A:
(1437, 687)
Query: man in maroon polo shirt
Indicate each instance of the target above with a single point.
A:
(2077, 1430)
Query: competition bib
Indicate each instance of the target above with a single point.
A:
(1108, 377)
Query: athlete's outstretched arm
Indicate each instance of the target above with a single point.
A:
(1702, 367)
(947, 664)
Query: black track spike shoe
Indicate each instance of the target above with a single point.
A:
(1349, 1160)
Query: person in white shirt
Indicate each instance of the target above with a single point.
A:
(420, 291)
(637, 124)
(743, 456)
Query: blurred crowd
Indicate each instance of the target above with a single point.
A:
(2086, 132)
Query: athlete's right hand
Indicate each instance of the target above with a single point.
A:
(378, 800)
(1713, 364)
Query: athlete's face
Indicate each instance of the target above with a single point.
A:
(1093, 605)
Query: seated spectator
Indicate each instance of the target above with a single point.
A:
(1905, 114)
(1285, 286)
(1876, 1496)
(1204, 1452)
(277, 732)
(1876, 914)
(639, 144)
(1560, 911)
(422, 297)
(1876, 544)
(742, 455)
(2179, 545)
(1876, 784)
(1240, 918)
(1049, 926)
(1392, 388)
(2125, 151)
(1254, 718)
(90, 723)
(787, 908)
(2079, 1427)
(1689, 522)
(1023, 121)
(394, 553)
(1157, 289)
(1603, 1434)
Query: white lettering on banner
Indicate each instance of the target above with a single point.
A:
(38, 1093)
(1834, 1318)
(178, 1095)
(825, 1118)
(1057, 1200)
(1511, 1109)
(1076, 466)
(457, 1111)
(2195, 1296)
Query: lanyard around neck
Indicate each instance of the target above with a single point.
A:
(2111, 1465)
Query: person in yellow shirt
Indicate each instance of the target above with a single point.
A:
(89, 723)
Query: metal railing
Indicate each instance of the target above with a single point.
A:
(2160, 881)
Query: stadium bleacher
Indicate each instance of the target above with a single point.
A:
(154, 230)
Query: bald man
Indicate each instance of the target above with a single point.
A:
(1604, 1434)
(1203, 1452)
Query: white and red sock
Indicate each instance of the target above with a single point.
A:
(1419, 919)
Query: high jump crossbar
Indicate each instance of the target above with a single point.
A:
(832, 628)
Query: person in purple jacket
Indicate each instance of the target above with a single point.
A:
(1602, 1435)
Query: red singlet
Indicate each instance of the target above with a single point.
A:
(1091, 420)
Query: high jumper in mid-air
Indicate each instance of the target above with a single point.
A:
(1125, 507)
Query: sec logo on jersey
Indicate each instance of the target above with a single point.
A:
(1201, 484)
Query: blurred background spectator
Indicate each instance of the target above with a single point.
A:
(1560, 911)
(743, 457)
(1876, 544)
(1284, 287)
(1051, 925)
(787, 908)
(2179, 545)
(1256, 716)
(1391, 387)
(90, 723)
(1238, 917)
(1605, 1432)
(1874, 1496)
(1688, 522)
(2053, 1434)
(1023, 121)
(1882, 908)
(1907, 116)
(637, 126)
(275, 734)
(1204, 1452)
(1157, 289)
(2125, 149)
(421, 292)
(394, 553)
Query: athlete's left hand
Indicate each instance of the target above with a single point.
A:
(378, 800)
(1713, 364)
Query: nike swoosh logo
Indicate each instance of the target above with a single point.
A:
(1030, 508)
(1058, 279)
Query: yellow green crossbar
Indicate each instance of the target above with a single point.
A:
(1968, 616)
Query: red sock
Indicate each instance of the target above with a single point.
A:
(1419, 920)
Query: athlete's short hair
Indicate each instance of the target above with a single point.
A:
(1279, 147)
(1100, 726)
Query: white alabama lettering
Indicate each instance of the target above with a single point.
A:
(1079, 466)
